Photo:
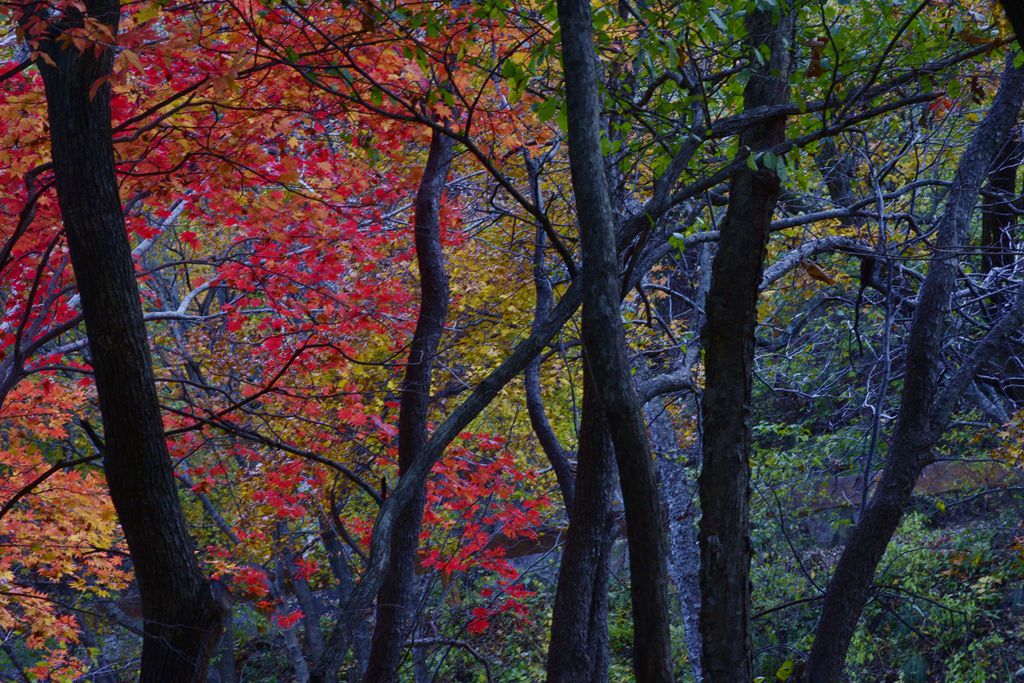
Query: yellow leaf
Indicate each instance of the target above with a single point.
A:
(817, 272)
(150, 11)
(132, 59)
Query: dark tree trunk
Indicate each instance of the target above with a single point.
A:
(578, 649)
(356, 626)
(999, 211)
(925, 406)
(182, 618)
(398, 591)
(728, 338)
(604, 349)
(1015, 13)
(998, 222)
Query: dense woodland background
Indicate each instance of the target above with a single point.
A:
(489, 341)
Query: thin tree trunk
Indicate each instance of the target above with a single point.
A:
(531, 378)
(999, 214)
(728, 361)
(182, 620)
(925, 406)
(357, 629)
(296, 657)
(398, 591)
(310, 614)
(604, 348)
(578, 649)
(225, 665)
(680, 493)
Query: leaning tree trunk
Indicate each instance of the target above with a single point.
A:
(182, 620)
(728, 361)
(398, 591)
(604, 348)
(925, 406)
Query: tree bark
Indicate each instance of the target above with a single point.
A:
(224, 669)
(604, 348)
(999, 213)
(684, 550)
(578, 649)
(556, 455)
(925, 406)
(182, 620)
(357, 627)
(1015, 13)
(728, 361)
(397, 594)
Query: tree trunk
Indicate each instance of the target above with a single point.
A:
(728, 361)
(578, 649)
(531, 377)
(683, 549)
(182, 618)
(310, 614)
(999, 214)
(1015, 13)
(357, 629)
(224, 670)
(924, 410)
(398, 591)
(998, 220)
(604, 348)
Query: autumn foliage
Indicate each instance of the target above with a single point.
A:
(269, 155)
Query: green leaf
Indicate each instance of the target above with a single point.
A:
(547, 109)
(718, 20)
(150, 11)
(659, 165)
(801, 103)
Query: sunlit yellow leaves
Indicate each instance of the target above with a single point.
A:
(62, 530)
